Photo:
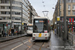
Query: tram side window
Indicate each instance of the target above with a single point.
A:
(35, 27)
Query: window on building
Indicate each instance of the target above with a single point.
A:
(73, 12)
(0, 1)
(68, 1)
(7, 12)
(73, 0)
(8, 1)
(74, 19)
(19, 8)
(69, 12)
(62, 20)
(60, 1)
(60, 6)
(8, 18)
(17, 13)
(2, 7)
(13, 18)
(69, 6)
(4, 1)
(60, 12)
(17, 18)
(9, 7)
(16, 2)
(68, 19)
(2, 12)
(0, 18)
(4, 18)
(73, 7)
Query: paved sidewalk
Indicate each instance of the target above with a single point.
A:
(2, 39)
(57, 43)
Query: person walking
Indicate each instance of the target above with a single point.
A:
(55, 31)
(12, 32)
(2, 33)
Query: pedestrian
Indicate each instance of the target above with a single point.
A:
(16, 32)
(9, 32)
(55, 31)
(25, 29)
(2, 33)
(12, 32)
(5, 34)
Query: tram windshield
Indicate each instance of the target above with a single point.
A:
(40, 25)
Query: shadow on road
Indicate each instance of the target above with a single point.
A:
(28, 35)
(41, 41)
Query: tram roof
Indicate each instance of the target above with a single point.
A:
(40, 17)
(30, 24)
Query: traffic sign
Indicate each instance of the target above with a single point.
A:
(58, 18)
(22, 23)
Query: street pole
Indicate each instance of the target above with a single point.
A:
(11, 13)
(59, 21)
(30, 13)
(21, 16)
(65, 27)
(56, 18)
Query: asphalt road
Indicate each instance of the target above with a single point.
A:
(24, 43)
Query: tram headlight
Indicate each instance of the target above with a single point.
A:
(45, 34)
(34, 34)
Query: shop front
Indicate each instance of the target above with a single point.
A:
(4, 28)
(24, 28)
(17, 28)
(71, 27)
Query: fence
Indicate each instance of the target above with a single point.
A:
(71, 39)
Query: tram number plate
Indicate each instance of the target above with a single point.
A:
(40, 34)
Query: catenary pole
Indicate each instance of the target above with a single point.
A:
(65, 27)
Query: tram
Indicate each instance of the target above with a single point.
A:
(29, 29)
(41, 28)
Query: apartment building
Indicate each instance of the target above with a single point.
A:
(13, 13)
(70, 13)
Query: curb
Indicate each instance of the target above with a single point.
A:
(11, 38)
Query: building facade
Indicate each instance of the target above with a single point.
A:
(70, 13)
(13, 13)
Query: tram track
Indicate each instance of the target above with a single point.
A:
(18, 40)
(34, 43)
(41, 46)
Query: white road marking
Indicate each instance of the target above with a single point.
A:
(19, 45)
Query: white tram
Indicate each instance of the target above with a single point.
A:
(41, 28)
(29, 29)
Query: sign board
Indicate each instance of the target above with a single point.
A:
(58, 18)
(22, 23)
(17, 23)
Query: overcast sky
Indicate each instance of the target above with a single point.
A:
(39, 7)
